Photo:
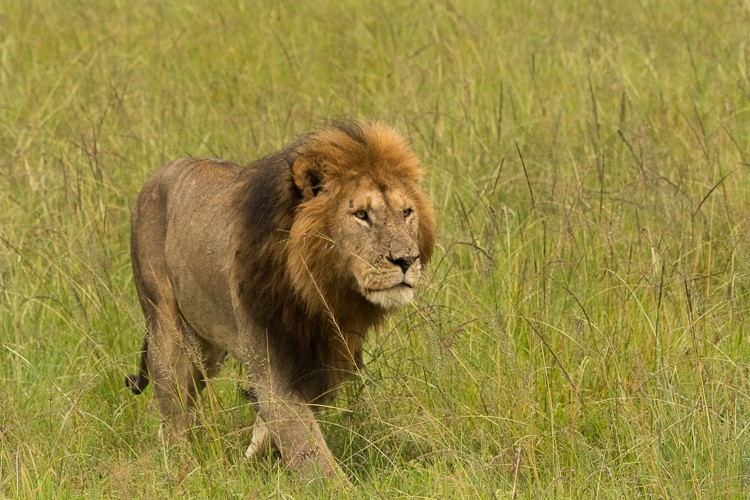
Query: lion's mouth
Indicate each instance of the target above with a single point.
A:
(397, 286)
(391, 297)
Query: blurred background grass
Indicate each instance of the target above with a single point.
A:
(583, 327)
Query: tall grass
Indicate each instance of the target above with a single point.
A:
(583, 329)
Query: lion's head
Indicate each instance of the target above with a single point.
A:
(363, 225)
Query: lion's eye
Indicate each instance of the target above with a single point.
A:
(361, 214)
(407, 212)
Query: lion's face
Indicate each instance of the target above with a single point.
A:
(363, 226)
(377, 236)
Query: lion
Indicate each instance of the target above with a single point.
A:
(284, 264)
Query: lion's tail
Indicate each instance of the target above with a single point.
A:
(138, 382)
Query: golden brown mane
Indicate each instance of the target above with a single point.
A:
(286, 274)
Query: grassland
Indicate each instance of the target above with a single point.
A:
(584, 329)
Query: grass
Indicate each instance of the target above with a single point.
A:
(584, 327)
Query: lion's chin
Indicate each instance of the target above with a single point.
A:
(391, 298)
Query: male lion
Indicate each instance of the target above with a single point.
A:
(285, 264)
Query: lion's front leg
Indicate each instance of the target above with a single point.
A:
(292, 426)
(262, 441)
(261, 438)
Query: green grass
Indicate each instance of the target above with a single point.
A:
(584, 327)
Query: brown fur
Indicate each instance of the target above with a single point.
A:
(275, 264)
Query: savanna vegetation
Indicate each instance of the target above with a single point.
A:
(583, 329)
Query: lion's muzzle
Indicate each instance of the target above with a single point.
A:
(404, 262)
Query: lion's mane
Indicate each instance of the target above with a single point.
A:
(281, 260)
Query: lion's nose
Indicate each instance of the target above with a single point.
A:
(404, 262)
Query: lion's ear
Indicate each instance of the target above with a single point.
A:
(308, 178)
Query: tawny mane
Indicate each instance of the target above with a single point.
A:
(284, 269)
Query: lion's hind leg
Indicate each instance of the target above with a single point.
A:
(172, 356)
